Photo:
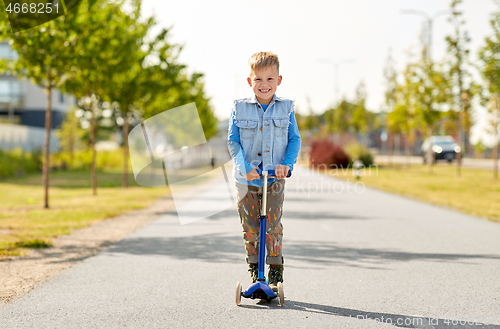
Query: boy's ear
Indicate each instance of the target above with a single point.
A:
(249, 81)
(279, 80)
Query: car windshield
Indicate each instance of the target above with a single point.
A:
(444, 143)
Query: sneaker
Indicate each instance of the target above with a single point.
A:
(275, 275)
(254, 271)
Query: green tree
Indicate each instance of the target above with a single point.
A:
(342, 117)
(45, 57)
(173, 87)
(490, 70)
(432, 94)
(403, 119)
(108, 42)
(183, 90)
(360, 115)
(311, 121)
(460, 78)
(337, 120)
(390, 75)
(135, 83)
(493, 107)
(328, 117)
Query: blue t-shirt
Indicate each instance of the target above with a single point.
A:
(292, 148)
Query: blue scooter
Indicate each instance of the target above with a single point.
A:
(261, 289)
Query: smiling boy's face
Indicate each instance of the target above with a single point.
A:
(264, 82)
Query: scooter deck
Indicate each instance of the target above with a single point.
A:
(259, 290)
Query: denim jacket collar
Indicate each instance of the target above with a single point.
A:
(254, 100)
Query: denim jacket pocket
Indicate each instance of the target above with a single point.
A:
(281, 128)
(248, 128)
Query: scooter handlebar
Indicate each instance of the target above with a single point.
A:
(272, 173)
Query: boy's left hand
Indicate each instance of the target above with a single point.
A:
(281, 171)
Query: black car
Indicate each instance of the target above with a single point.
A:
(443, 148)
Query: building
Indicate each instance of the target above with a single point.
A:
(22, 110)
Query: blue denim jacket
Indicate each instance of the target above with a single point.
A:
(266, 138)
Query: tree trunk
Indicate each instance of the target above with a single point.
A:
(389, 148)
(397, 144)
(495, 146)
(92, 146)
(495, 156)
(460, 137)
(467, 145)
(430, 155)
(48, 122)
(125, 151)
(72, 142)
(407, 151)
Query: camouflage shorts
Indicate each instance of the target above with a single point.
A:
(249, 206)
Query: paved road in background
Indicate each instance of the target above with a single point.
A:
(466, 162)
(355, 258)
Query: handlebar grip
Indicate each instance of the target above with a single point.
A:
(272, 173)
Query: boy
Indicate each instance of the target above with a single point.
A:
(263, 134)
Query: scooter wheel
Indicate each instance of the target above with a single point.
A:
(238, 293)
(281, 294)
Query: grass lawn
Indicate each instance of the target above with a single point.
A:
(24, 223)
(475, 192)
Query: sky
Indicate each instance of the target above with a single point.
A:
(220, 35)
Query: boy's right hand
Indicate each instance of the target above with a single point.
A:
(252, 175)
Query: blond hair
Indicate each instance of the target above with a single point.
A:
(263, 59)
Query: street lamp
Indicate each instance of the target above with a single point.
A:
(336, 67)
(430, 21)
(428, 53)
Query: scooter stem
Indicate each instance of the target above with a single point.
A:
(262, 236)
(264, 194)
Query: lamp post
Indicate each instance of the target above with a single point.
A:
(336, 72)
(336, 68)
(430, 21)
(428, 53)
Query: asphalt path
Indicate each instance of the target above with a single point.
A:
(354, 258)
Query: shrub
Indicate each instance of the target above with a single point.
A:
(82, 160)
(366, 159)
(359, 152)
(17, 163)
(324, 152)
(62, 160)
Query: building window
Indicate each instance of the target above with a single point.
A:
(61, 97)
(6, 52)
(10, 91)
(5, 92)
